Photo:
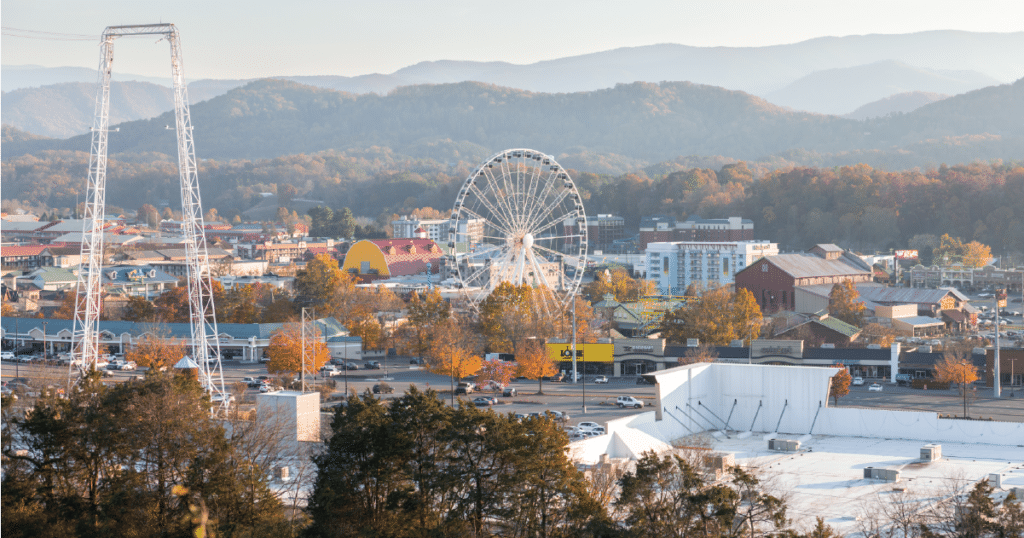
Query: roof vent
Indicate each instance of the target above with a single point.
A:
(828, 346)
(931, 452)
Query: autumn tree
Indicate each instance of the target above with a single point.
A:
(956, 367)
(976, 254)
(424, 314)
(157, 350)
(317, 283)
(285, 350)
(703, 353)
(453, 351)
(509, 315)
(717, 318)
(839, 384)
(843, 303)
(138, 309)
(499, 371)
(880, 334)
(535, 363)
(617, 282)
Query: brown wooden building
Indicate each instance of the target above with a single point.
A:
(773, 279)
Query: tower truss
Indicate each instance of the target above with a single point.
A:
(205, 344)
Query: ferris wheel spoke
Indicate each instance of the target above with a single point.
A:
(554, 222)
(485, 219)
(493, 209)
(539, 200)
(548, 209)
(546, 249)
(548, 237)
(501, 197)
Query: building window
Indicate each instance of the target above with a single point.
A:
(764, 268)
(665, 264)
(785, 298)
(725, 266)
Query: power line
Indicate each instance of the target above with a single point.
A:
(48, 36)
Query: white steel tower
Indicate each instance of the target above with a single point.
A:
(205, 341)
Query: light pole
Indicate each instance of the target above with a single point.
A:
(17, 363)
(45, 357)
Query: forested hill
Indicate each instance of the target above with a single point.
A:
(639, 122)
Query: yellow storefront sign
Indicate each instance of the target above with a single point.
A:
(587, 352)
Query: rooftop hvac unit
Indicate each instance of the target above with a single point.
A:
(880, 473)
(828, 346)
(783, 445)
(1018, 493)
(692, 342)
(931, 452)
(719, 462)
(995, 480)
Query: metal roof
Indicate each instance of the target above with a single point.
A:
(329, 328)
(881, 294)
(805, 265)
(919, 321)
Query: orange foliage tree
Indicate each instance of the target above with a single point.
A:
(452, 352)
(498, 371)
(535, 363)
(955, 367)
(839, 385)
(157, 351)
(285, 350)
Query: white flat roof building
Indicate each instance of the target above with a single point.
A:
(469, 231)
(673, 266)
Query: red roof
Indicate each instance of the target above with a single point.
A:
(409, 256)
(26, 250)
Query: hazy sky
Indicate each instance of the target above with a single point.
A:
(253, 38)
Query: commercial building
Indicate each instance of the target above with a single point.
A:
(675, 266)
(603, 230)
(385, 258)
(773, 279)
(469, 231)
(663, 228)
(245, 341)
(967, 278)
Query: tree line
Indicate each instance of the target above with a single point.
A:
(855, 206)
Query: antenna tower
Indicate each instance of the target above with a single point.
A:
(86, 337)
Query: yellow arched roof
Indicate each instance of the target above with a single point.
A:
(365, 251)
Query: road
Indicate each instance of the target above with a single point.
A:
(599, 398)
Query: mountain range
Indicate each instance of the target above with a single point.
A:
(830, 75)
(638, 123)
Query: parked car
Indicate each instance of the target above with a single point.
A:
(7, 356)
(641, 380)
(858, 381)
(484, 401)
(902, 380)
(372, 365)
(601, 379)
(510, 392)
(560, 416)
(128, 366)
(463, 390)
(252, 382)
(629, 401)
(267, 387)
(329, 371)
(589, 426)
(417, 360)
(875, 387)
(383, 388)
(351, 366)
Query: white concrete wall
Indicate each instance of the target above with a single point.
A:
(704, 397)
(296, 413)
(915, 425)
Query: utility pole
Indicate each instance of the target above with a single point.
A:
(997, 382)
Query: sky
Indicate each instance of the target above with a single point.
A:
(258, 38)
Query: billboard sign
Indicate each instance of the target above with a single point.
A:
(906, 254)
(587, 352)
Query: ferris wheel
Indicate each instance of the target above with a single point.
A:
(518, 218)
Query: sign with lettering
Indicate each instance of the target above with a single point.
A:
(588, 352)
(786, 348)
(906, 254)
(638, 349)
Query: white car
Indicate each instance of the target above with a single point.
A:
(7, 356)
(629, 401)
(330, 371)
(875, 387)
(601, 379)
(590, 427)
(858, 381)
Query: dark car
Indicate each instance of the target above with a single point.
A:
(484, 401)
(510, 392)
(644, 381)
(383, 388)
(417, 360)
(463, 390)
(372, 365)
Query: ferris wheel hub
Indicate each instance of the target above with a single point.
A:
(528, 240)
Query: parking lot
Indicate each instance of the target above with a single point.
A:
(569, 398)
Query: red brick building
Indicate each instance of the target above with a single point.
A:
(661, 228)
(773, 279)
